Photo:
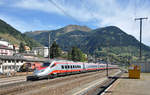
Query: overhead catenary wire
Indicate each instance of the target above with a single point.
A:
(63, 11)
(135, 8)
(89, 8)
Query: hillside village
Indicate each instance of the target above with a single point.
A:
(11, 59)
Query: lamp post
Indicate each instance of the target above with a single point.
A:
(49, 46)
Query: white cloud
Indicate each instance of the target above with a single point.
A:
(17, 24)
(78, 13)
(111, 13)
(107, 12)
(23, 26)
(40, 5)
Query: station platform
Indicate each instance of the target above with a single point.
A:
(126, 86)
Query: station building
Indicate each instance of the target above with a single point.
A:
(14, 63)
(11, 60)
(10, 63)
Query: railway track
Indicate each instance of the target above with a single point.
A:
(53, 86)
(12, 80)
(100, 88)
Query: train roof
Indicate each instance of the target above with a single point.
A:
(58, 60)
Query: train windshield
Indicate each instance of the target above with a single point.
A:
(46, 64)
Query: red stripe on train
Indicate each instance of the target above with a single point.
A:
(65, 71)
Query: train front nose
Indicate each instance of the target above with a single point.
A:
(38, 72)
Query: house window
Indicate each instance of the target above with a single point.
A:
(9, 61)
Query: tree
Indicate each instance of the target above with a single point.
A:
(21, 47)
(76, 55)
(55, 51)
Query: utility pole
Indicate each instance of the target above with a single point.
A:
(107, 60)
(140, 19)
(107, 67)
(49, 46)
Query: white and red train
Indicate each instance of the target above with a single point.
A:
(55, 68)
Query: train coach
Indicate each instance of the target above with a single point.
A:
(54, 68)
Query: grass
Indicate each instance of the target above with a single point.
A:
(9, 38)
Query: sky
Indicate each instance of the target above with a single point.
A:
(31, 15)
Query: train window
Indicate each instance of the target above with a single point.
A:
(71, 66)
(65, 66)
(53, 65)
(68, 66)
(62, 67)
(46, 64)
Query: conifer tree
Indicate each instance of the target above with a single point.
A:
(55, 51)
(21, 47)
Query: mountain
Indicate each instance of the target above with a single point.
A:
(103, 41)
(12, 35)
(71, 28)
(73, 32)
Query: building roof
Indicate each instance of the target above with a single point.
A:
(21, 58)
(12, 57)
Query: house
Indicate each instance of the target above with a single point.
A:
(16, 48)
(27, 48)
(6, 48)
(42, 51)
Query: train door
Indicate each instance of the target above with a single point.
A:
(84, 69)
(71, 68)
(66, 68)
